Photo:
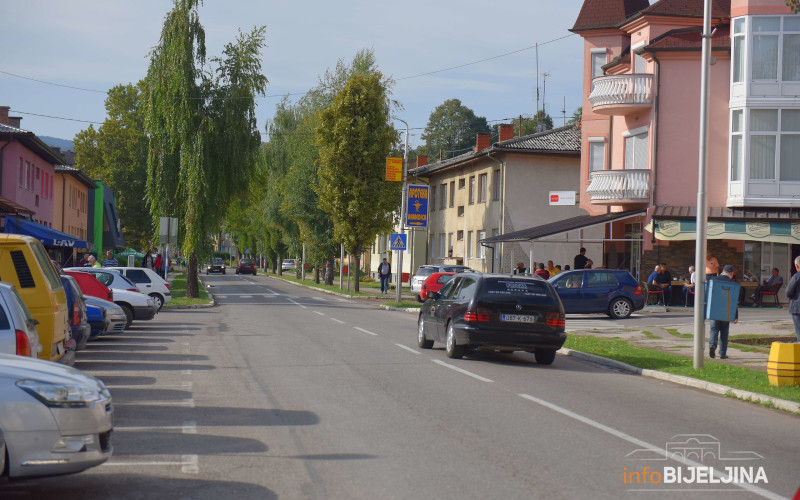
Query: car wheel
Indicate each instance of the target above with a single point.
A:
(545, 356)
(620, 308)
(128, 314)
(453, 350)
(422, 341)
(206, 273)
(157, 299)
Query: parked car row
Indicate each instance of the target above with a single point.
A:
(54, 419)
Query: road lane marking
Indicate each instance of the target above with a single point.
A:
(182, 385)
(190, 427)
(365, 331)
(401, 346)
(642, 444)
(296, 303)
(191, 464)
(338, 321)
(320, 313)
(461, 370)
(180, 402)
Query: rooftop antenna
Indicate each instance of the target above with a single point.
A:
(564, 110)
(537, 78)
(539, 118)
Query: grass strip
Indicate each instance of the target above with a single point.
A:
(404, 305)
(713, 371)
(372, 290)
(676, 333)
(178, 290)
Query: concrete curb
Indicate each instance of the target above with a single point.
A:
(401, 309)
(329, 292)
(703, 385)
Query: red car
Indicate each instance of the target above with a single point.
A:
(246, 266)
(91, 286)
(434, 283)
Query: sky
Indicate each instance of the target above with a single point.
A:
(97, 44)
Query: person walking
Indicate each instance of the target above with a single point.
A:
(580, 260)
(721, 329)
(148, 261)
(110, 261)
(384, 273)
(793, 294)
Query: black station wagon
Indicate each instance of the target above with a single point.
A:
(494, 312)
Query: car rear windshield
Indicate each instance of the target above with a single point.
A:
(529, 291)
(425, 271)
(245, 262)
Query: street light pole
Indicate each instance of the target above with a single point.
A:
(702, 202)
(399, 290)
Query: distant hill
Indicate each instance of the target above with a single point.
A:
(64, 144)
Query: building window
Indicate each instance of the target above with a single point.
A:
(449, 244)
(480, 250)
(639, 64)
(597, 153)
(21, 172)
(737, 144)
(472, 190)
(763, 141)
(482, 188)
(443, 204)
(460, 235)
(452, 193)
(461, 210)
(737, 72)
(635, 149)
(433, 198)
(442, 249)
(496, 182)
(599, 59)
(469, 244)
(461, 183)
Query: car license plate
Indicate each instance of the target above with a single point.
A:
(519, 318)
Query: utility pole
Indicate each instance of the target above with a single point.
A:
(399, 288)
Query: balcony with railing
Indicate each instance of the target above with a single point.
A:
(630, 186)
(621, 94)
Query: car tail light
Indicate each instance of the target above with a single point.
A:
(479, 315)
(111, 296)
(76, 314)
(23, 344)
(132, 289)
(638, 290)
(169, 287)
(555, 319)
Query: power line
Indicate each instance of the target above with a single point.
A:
(55, 117)
(51, 83)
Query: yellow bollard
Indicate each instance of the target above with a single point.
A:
(783, 367)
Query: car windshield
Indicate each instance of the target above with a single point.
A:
(218, 262)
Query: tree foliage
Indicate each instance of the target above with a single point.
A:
(116, 153)
(354, 136)
(451, 130)
(793, 4)
(202, 126)
(527, 124)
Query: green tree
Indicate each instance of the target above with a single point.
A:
(451, 130)
(793, 4)
(526, 124)
(116, 153)
(354, 136)
(202, 127)
(576, 115)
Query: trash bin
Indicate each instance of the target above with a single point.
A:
(723, 296)
(783, 367)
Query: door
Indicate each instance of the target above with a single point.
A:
(776, 255)
(440, 307)
(598, 286)
(568, 287)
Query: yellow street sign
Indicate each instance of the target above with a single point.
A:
(394, 169)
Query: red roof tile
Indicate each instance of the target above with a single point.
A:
(599, 14)
(689, 38)
(720, 9)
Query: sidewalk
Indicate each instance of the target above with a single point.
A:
(658, 322)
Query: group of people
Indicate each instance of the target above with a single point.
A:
(550, 270)
(152, 260)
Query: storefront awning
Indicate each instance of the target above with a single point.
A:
(563, 226)
(44, 234)
(771, 225)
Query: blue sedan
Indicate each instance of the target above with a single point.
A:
(609, 291)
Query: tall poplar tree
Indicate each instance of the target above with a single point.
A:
(354, 137)
(202, 126)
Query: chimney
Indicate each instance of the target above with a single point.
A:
(422, 160)
(483, 141)
(506, 131)
(4, 114)
(14, 121)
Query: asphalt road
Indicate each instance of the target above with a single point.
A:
(287, 392)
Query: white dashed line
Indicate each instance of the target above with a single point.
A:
(320, 313)
(366, 331)
(338, 321)
(461, 370)
(296, 303)
(401, 346)
(179, 402)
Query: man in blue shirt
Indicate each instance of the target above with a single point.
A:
(773, 284)
(110, 261)
(654, 283)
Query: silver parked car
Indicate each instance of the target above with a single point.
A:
(18, 334)
(115, 315)
(54, 419)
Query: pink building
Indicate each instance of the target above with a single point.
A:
(28, 171)
(640, 131)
